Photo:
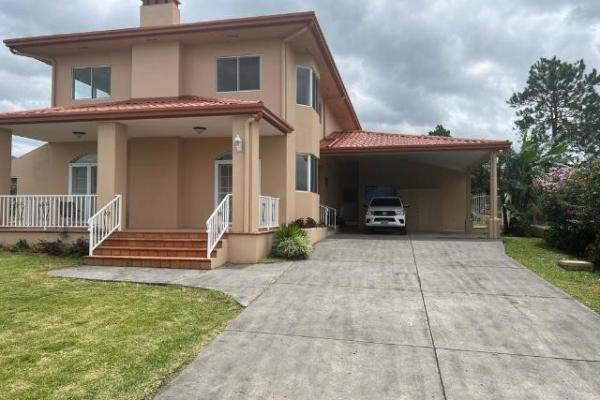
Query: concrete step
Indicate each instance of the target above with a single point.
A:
(153, 251)
(156, 242)
(150, 262)
(160, 234)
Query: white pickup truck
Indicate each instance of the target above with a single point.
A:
(386, 212)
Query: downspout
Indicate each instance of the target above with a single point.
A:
(47, 60)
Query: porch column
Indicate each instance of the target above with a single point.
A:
(494, 221)
(5, 160)
(246, 175)
(112, 163)
(469, 220)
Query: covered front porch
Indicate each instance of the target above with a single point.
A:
(212, 172)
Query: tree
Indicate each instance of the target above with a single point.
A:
(518, 172)
(480, 179)
(440, 131)
(560, 104)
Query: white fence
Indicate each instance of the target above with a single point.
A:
(328, 216)
(268, 212)
(46, 211)
(481, 208)
(106, 221)
(217, 224)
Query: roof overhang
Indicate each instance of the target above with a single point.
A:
(138, 109)
(280, 25)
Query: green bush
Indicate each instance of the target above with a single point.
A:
(291, 243)
(79, 248)
(56, 248)
(21, 245)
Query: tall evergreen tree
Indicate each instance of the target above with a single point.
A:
(440, 131)
(560, 104)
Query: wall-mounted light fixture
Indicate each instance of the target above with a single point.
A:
(200, 129)
(79, 134)
(238, 144)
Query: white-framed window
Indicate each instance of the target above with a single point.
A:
(83, 172)
(91, 82)
(307, 173)
(308, 88)
(238, 73)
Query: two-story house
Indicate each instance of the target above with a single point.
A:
(165, 139)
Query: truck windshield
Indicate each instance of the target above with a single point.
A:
(386, 202)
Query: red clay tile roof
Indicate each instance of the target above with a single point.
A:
(362, 141)
(166, 107)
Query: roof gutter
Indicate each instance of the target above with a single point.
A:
(46, 60)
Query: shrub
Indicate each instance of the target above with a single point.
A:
(56, 248)
(592, 253)
(306, 223)
(291, 243)
(570, 203)
(21, 245)
(79, 248)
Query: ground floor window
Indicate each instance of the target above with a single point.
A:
(83, 173)
(307, 171)
(13, 186)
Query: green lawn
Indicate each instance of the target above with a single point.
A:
(542, 259)
(74, 339)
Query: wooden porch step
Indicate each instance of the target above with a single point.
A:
(150, 262)
(145, 251)
(156, 242)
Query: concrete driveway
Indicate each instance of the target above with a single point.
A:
(389, 317)
(386, 317)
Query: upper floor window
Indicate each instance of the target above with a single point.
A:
(91, 83)
(308, 88)
(236, 74)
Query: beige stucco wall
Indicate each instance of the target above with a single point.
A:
(10, 237)
(155, 70)
(45, 170)
(153, 182)
(5, 160)
(197, 199)
(119, 61)
(199, 70)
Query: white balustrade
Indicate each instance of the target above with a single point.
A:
(328, 216)
(268, 212)
(106, 221)
(46, 211)
(217, 224)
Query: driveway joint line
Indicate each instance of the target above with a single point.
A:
(494, 294)
(518, 355)
(347, 287)
(435, 354)
(362, 341)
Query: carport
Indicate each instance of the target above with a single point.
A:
(430, 173)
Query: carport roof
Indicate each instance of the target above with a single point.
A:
(368, 142)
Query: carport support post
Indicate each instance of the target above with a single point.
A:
(5, 160)
(494, 221)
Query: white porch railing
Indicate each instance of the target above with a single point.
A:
(328, 216)
(268, 212)
(46, 211)
(217, 224)
(106, 221)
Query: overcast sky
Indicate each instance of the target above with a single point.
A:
(407, 64)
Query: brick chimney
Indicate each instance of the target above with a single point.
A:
(159, 12)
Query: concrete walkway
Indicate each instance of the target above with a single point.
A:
(387, 317)
(244, 282)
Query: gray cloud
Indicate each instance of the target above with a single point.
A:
(408, 65)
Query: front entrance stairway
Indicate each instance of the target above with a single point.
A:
(180, 249)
